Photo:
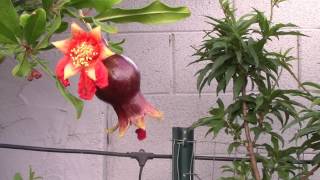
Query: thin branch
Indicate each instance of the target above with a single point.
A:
(271, 10)
(88, 25)
(310, 173)
(84, 22)
(253, 160)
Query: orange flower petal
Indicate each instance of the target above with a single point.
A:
(140, 123)
(106, 52)
(69, 71)
(62, 45)
(91, 72)
(123, 127)
(96, 32)
(75, 29)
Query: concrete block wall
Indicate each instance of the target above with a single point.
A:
(35, 114)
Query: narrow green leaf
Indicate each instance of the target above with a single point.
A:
(311, 84)
(238, 84)
(309, 130)
(155, 13)
(116, 46)
(47, 4)
(9, 22)
(77, 103)
(99, 5)
(316, 159)
(35, 26)
(229, 73)
(252, 52)
(108, 28)
(233, 146)
(220, 60)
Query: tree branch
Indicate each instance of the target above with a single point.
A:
(310, 173)
(253, 160)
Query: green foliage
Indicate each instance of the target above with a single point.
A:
(240, 169)
(35, 26)
(32, 176)
(26, 28)
(234, 53)
(155, 13)
(9, 23)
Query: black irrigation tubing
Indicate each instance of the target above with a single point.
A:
(140, 156)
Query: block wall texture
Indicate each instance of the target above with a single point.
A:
(35, 114)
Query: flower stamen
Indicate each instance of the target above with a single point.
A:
(83, 55)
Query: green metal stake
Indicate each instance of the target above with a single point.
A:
(182, 153)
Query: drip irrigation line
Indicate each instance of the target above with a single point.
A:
(140, 156)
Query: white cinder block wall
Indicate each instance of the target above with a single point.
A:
(35, 114)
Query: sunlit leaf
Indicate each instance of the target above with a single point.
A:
(9, 22)
(35, 26)
(155, 13)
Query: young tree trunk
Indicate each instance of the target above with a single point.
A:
(253, 160)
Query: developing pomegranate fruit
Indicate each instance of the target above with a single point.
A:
(123, 93)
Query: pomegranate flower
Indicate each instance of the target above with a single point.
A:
(83, 53)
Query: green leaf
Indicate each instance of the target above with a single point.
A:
(116, 46)
(312, 84)
(229, 73)
(77, 103)
(239, 82)
(99, 5)
(63, 27)
(35, 26)
(309, 130)
(23, 68)
(23, 19)
(54, 25)
(252, 52)
(108, 28)
(9, 22)
(17, 176)
(233, 146)
(47, 4)
(155, 13)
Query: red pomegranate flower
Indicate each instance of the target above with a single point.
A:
(83, 53)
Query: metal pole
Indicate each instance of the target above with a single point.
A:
(182, 153)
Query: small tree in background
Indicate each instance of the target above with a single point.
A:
(235, 52)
